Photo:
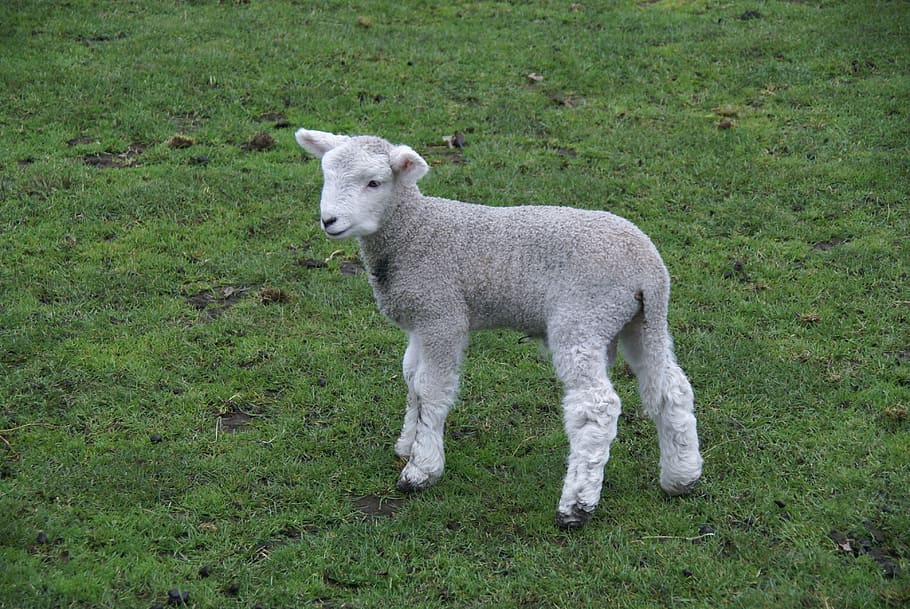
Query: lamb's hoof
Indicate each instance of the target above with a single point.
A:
(413, 479)
(577, 517)
(678, 489)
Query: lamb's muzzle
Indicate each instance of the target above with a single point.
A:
(585, 281)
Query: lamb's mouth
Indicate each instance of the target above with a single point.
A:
(335, 234)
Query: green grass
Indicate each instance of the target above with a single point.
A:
(786, 234)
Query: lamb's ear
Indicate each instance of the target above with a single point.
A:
(407, 164)
(318, 143)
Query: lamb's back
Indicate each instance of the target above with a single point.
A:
(515, 266)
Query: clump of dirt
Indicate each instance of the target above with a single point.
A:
(270, 295)
(259, 143)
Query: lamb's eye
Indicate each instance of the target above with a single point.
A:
(373, 184)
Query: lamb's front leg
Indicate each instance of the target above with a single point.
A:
(433, 361)
(409, 428)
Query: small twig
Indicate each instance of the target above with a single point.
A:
(12, 429)
(334, 254)
(713, 446)
(522, 443)
(672, 537)
(13, 456)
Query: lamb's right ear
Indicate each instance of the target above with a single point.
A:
(318, 143)
(407, 164)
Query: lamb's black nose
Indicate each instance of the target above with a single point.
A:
(327, 222)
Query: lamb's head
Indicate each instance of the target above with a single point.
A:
(361, 176)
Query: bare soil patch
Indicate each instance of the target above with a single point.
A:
(374, 506)
(115, 160)
(215, 302)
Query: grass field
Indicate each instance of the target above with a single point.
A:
(198, 397)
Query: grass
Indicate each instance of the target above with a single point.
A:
(186, 386)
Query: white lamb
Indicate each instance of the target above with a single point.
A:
(580, 280)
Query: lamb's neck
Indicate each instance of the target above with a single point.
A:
(400, 221)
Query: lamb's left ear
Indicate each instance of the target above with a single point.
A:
(407, 164)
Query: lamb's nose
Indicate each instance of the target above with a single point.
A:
(327, 222)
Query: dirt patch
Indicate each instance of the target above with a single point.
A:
(115, 160)
(350, 267)
(215, 302)
(279, 120)
(188, 121)
(374, 506)
(738, 271)
(870, 542)
(98, 39)
(234, 416)
(312, 263)
(80, 140)
(263, 549)
(232, 422)
(824, 246)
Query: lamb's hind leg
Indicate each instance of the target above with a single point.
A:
(667, 399)
(431, 370)
(591, 409)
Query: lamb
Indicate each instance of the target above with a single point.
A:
(582, 281)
